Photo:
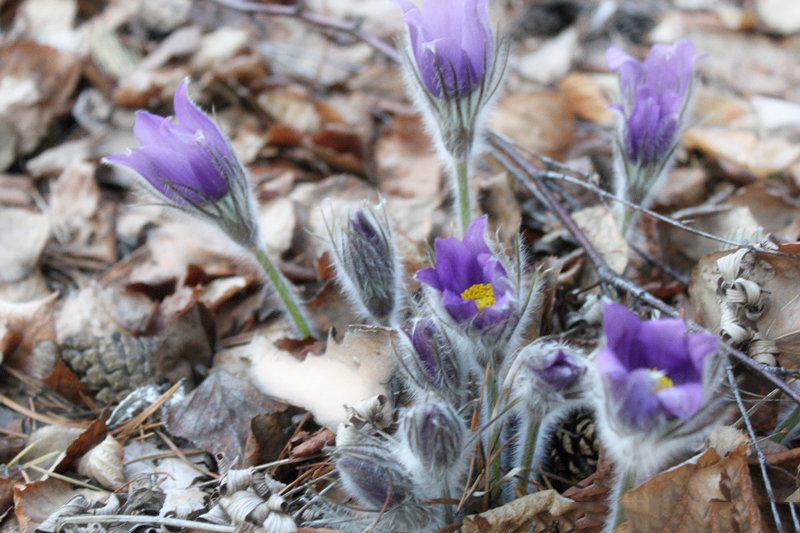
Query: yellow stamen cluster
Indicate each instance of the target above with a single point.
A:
(663, 381)
(482, 293)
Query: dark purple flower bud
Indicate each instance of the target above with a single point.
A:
(368, 264)
(547, 375)
(654, 96)
(433, 362)
(189, 162)
(651, 372)
(435, 435)
(473, 285)
(452, 43)
(373, 476)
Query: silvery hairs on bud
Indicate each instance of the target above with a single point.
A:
(368, 264)
(428, 361)
(433, 439)
(387, 497)
(453, 69)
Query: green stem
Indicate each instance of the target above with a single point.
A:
(527, 454)
(462, 193)
(285, 293)
(616, 515)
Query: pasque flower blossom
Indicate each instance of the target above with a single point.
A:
(656, 394)
(654, 98)
(188, 161)
(474, 286)
(452, 43)
(652, 371)
(454, 65)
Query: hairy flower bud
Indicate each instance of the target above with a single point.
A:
(429, 360)
(434, 435)
(368, 264)
(547, 375)
(189, 163)
(371, 474)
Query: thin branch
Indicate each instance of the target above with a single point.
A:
(526, 173)
(762, 461)
(144, 519)
(315, 19)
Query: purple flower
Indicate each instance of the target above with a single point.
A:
(189, 162)
(452, 43)
(474, 286)
(547, 375)
(654, 96)
(557, 369)
(187, 159)
(651, 371)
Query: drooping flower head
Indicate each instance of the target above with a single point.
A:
(368, 264)
(651, 372)
(474, 287)
(188, 162)
(452, 43)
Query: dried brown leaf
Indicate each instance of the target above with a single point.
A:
(541, 511)
(216, 415)
(586, 97)
(355, 368)
(761, 156)
(64, 381)
(541, 121)
(709, 493)
(407, 164)
(36, 82)
(35, 502)
(22, 240)
(36, 351)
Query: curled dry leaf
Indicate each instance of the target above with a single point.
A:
(778, 277)
(545, 510)
(103, 463)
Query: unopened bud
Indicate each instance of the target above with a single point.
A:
(368, 264)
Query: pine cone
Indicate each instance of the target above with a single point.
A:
(112, 365)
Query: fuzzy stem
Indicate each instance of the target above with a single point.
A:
(526, 458)
(616, 514)
(462, 193)
(285, 293)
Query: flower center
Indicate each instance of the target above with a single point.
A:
(662, 381)
(482, 293)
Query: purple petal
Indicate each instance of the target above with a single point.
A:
(430, 277)
(621, 327)
(682, 400)
(193, 120)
